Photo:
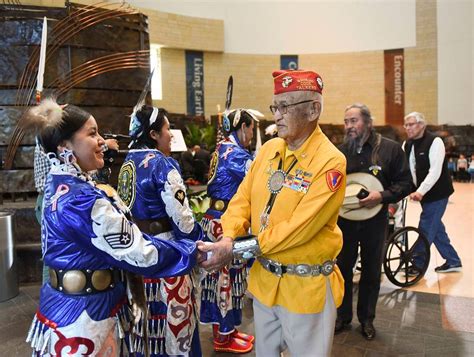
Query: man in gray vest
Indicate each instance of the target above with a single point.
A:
(426, 155)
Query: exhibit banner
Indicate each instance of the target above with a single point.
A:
(195, 83)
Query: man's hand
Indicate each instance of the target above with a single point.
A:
(221, 253)
(201, 256)
(416, 196)
(372, 200)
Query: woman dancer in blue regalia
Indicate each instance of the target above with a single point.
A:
(88, 239)
(151, 185)
(222, 292)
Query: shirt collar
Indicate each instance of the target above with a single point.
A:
(305, 153)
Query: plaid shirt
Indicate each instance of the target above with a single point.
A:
(41, 167)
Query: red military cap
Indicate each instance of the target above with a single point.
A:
(296, 80)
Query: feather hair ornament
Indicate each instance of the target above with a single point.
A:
(255, 114)
(135, 129)
(142, 99)
(47, 114)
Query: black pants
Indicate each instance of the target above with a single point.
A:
(370, 235)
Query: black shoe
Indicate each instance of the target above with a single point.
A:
(448, 268)
(368, 330)
(341, 326)
(412, 271)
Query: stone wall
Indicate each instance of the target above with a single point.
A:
(109, 96)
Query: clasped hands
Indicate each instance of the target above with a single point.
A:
(213, 256)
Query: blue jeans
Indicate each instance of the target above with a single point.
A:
(433, 229)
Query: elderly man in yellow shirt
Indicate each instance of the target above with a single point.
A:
(290, 200)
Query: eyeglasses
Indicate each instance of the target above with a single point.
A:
(283, 108)
(409, 125)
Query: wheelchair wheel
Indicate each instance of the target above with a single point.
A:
(399, 256)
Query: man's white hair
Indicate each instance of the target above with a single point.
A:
(420, 118)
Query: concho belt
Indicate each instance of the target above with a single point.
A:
(154, 226)
(278, 269)
(84, 282)
(219, 205)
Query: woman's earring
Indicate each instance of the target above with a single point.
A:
(68, 156)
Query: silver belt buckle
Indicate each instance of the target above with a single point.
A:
(276, 267)
(327, 267)
(271, 266)
(303, 269)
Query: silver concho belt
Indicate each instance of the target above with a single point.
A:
(278, 269)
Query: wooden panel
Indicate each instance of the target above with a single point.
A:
(394, 87)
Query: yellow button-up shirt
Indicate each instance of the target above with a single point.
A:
(302, 226)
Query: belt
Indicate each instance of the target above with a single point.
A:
(154, 226)
(278, 269)
(84, 282)
(219, 205)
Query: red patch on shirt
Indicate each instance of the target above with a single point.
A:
(334, 179)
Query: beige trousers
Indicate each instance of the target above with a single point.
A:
(304, 335)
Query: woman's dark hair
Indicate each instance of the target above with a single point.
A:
(143, 115)
(244, 118)
(73, 118)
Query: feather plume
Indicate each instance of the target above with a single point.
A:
(237, 117)
(47, 114)
(255, 114)
(142, 99)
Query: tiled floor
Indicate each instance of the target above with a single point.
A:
(433, 318)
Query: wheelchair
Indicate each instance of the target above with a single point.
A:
(399, 252)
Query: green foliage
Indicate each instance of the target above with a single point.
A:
(199, 136)
(209, 137)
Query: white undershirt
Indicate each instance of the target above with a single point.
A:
(436, 157)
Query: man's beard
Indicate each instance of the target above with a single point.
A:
(354, 144)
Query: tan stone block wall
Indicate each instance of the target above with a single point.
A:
(173, 71)
(185, 32)
(349, 78)
(421, 64)
(253, 81)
